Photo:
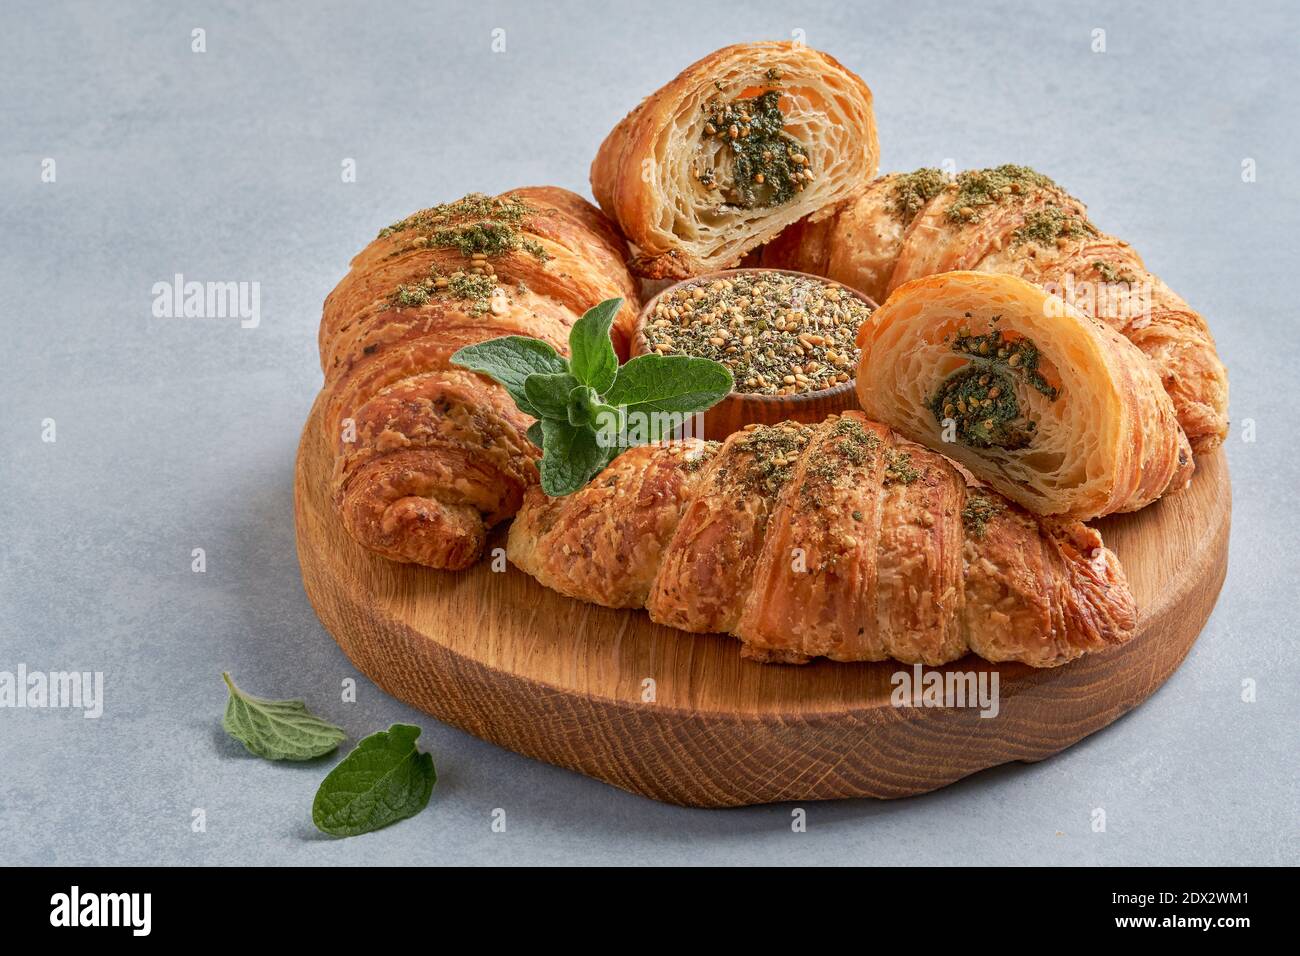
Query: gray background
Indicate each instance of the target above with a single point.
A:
(176, 434)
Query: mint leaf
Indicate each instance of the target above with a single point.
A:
(591, 353)
(510, 360)
(385, 779)
(549, 394)
(570, 457)
(277, 729)
(670, 383)
(535, 433)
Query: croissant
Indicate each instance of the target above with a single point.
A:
(428, 455)
(1013, 220)
(1056, 411)
(739, 146)
(838, 540)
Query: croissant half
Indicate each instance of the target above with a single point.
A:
(1053, 409)
(840, 540)
(740, 145)
(1013, 220)
(428, 455)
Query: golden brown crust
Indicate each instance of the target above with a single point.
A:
(870, 244)
(429, 456)
(645, 174)
(840, 540)
(1102, 439)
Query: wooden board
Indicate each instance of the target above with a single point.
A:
(502, 657)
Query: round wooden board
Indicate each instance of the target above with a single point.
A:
(498, 655)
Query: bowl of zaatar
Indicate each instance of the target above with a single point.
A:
(787, 337)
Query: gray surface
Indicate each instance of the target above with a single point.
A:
(175, 434)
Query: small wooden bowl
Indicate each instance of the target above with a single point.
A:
(743, 408)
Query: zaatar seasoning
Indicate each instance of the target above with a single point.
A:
(981, 397)
(767, 167)
(779, 334)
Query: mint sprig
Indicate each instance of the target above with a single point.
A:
(584, 405)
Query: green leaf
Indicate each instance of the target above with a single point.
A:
(549, 395)
(535, 433)
(570, 457)
(385, 779)
(277, 729)
(670, 383)
(591, 353)
(510, 360)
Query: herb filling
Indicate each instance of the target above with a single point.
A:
(981, 397)
(767, 167)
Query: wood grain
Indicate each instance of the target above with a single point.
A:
(502, 657)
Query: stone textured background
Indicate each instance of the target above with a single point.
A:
(175, 434)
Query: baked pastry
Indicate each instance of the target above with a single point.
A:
(428, 455)
(742, 144)
(837, 540)
(1055, 410)
(1016, 221)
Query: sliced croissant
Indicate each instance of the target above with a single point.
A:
(740, 145)
(838, 540)
(1051, 408)
(428, 456)
(1013, 220)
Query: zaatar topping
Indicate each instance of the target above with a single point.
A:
(773, 451)
(911, 191)
(1051, 226)
(476, 288)
(900, 470)
(697, 459)
(981, 397)
(487, 225)
(848, 442)
(1111, 273)
(977, 189)
(779, 334)
(978, 512)
(767, 167)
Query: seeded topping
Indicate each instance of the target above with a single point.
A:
(848, 442)
(900, 469)
(981, 397)
(977, 189)
(477, 289)
(772, 452)
(1111, 273)
(767, 167)
(487, 225)
(779, 334)
(911, 191)
(979, 511)
(1052, 226)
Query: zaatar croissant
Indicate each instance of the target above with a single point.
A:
(428, 455)
(838, 540)
(1053, 409)
(740, 145)
(1013, 220)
